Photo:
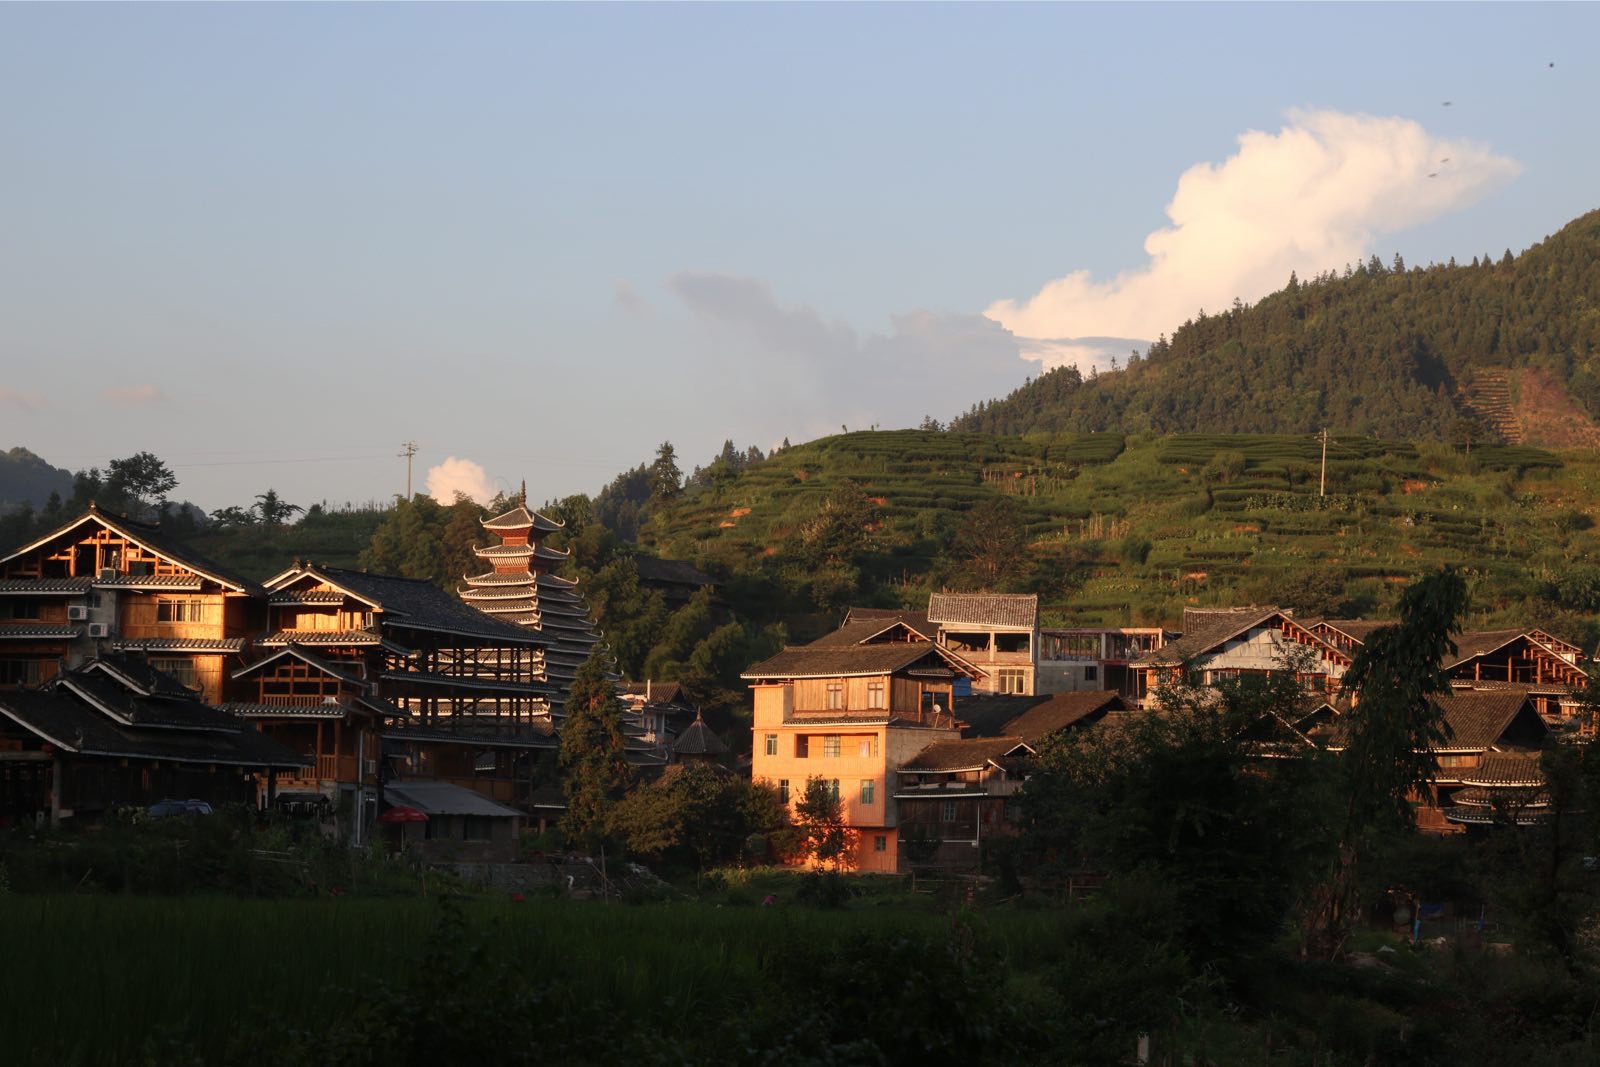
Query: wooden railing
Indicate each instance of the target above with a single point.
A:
(294, 701)
(324, 769)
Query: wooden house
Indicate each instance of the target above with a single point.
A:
(1091, 659)
(1229, 642)
(376, 675)
(104, 583)
(852, 714)
(951, 795)
(1529, 660)
(116, 732)
(998, 632)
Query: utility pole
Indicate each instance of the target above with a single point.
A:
(408, 450)
(1322, 482)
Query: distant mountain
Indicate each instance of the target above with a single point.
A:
(1505, 348)
(27, 479)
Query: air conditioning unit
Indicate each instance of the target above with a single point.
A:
(108, 574)
(77, 613)
(99, 629)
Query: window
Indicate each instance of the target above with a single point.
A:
(477, 828)
(783, 790)
(835, 700)
(875, 695)
(830, 746)
(869, 791)
(179, 610)
(833, 789)
(949, 812)
(867, 748)
(1012, 681)
(880, 843)
(19, 609)
(181, 669)
(772, 744)
(21, 672)
(1091, 674)
(802, 746)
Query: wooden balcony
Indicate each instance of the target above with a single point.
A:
(322, 769)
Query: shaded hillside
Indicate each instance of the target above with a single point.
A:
(1132, 529)
(25, 479)
(1380, 350)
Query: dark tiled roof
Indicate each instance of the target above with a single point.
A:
(520, 518)
(1477, 719)
(861, 631)
(108, 695)
(178, 644)
(1356, 629)
(18, 633)
(244, 709)
(670, 571)
(1061, 711)
(810, 661)
(418, 604)
(320, 638)
(183, 582)
(699, 740)
(45, 586)
(987, 713)
(306, 596)
(1481, 643)
(658, 692)
(967, 754)
(63, 720)
(1506, 769)
(135, 672)
(984, 609)
(1204, 629)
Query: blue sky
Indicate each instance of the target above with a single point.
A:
(270, 243)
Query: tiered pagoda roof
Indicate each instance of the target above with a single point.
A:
(519, 589)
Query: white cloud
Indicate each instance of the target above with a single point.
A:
(1309, 198)
(456, 475)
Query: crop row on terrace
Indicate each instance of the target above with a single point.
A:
(1085, 503)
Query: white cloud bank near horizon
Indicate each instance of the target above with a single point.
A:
(457, 475)
(1312, 197)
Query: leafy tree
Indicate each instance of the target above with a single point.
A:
(422, 538)
(1186, 798)
(1392, 732)
(274, 510)
(233, 515)
(142, 479)
(992, 544)
(825, 838)
(840, 530)
(594, 766)
(698, 812)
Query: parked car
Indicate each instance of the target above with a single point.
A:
(179, 807)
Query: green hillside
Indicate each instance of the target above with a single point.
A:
(1439, 352)
(1131, 529)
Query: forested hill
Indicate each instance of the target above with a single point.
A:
(1504, 348)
